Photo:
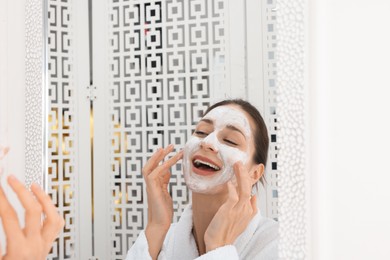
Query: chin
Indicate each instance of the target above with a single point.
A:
(205, 188)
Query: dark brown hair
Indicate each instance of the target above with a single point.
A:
(261, 139)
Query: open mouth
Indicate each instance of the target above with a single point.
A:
(202, 166)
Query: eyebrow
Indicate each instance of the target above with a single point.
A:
(208, 121)
(231, 127)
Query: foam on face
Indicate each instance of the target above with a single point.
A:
(221, 116)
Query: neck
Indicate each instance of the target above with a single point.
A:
(202, 215)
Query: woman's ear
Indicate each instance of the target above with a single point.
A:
(257, 172)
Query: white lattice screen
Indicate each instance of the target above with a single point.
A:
(164, 56)
(164, 63)
(62, 173)
(270, 104)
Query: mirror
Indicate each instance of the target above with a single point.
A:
(124, 78)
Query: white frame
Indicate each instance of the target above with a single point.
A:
(293, 135)
(35, 106)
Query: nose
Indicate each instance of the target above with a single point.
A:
(208, 146)
(210, 143)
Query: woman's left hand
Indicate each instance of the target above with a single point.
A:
(234, 215)
(35, 240)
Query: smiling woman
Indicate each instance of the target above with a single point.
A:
(226, 130)
(223, 160)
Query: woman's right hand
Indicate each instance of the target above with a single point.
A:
(160, 206)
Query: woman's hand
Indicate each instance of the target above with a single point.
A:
(234, 215)
(160, 206)
(35, 240)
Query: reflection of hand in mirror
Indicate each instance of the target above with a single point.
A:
(35, 240)
(234, 215)
(160, 207)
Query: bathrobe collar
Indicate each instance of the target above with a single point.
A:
(185, 245)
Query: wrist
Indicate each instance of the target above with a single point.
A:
(212, 245)
(157, 228)
(155, 235)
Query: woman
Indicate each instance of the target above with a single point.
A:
(222, 162)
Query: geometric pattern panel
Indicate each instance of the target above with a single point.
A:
(271, 109)
(165, 57)
(61, 125)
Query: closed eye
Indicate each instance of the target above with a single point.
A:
(230, 142)
(200, 133)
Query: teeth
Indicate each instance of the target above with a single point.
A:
(198, 162)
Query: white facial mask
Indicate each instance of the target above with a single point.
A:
(221, 116)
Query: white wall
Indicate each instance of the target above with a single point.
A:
(349, 78)
(12, 84)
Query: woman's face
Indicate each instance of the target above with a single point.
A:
(221, 138)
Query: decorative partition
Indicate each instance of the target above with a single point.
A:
(62, 173)
(165, 58)
(271, 109)
(167, 61)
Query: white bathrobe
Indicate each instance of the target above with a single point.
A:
(259, 241)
